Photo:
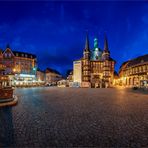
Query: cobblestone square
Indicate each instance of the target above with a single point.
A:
(75, 117)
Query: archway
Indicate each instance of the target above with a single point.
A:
(126, 82)
(135, 81)
(130, 81)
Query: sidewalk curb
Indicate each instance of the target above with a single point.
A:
(11, 103)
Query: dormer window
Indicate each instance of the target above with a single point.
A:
(5, 55)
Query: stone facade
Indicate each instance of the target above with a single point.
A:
(19, 66)
(40, 75)
(134, 72)
(70, 76)
(6, 93)
(18, 62)
(97, 67)
(52, 76)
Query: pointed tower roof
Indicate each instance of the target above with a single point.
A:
(87, 43)
(1, 51)
(105, 43)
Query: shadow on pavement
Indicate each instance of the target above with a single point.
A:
(6, 127)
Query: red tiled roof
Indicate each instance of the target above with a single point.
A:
(138, 60)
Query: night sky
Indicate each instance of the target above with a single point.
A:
(56, 31)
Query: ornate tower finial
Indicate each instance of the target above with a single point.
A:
(106, 52)
(86, 53)
(95, 43)
(87, 42)
(105, 43)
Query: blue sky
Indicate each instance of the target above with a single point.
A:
(55, 31)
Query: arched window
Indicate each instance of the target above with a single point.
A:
(130, 81)
(5, 55)
(141, 69)
(135, 81)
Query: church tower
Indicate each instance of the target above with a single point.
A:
(86, 63)
(96, 67)
(96, 53)
(86, 53)
(106, 52)
(108, 65)
(1, 56)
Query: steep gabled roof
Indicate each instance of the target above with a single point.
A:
(23, 54)
(123, 63)
(52, 71)
(111, 59)
(134, 62)
(138, 60)
(19, 53)
(9, 50)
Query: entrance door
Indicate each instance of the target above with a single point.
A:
(135, 81)
(96, 81)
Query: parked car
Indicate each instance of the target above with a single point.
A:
(48, 84)
(135, 88)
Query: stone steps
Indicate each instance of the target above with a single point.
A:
(6, 100)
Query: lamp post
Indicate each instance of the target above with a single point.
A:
(34, 71)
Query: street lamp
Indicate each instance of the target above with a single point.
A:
(34, 68)
(14, 70)
(34, 71)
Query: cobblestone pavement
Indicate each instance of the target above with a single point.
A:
(67, 117)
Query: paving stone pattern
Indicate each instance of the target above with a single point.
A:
(75, 117)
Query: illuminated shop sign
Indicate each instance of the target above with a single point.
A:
(26, 76)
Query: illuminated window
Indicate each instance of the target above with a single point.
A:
(141, 69)
(137, 69)
(144, 68)
(134, 70)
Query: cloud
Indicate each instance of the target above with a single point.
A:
(55, 32)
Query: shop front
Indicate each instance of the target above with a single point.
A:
(24, 80)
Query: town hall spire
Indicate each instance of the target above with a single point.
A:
(87, 43)
(86, 53)
(106, 52)
(105, 43)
